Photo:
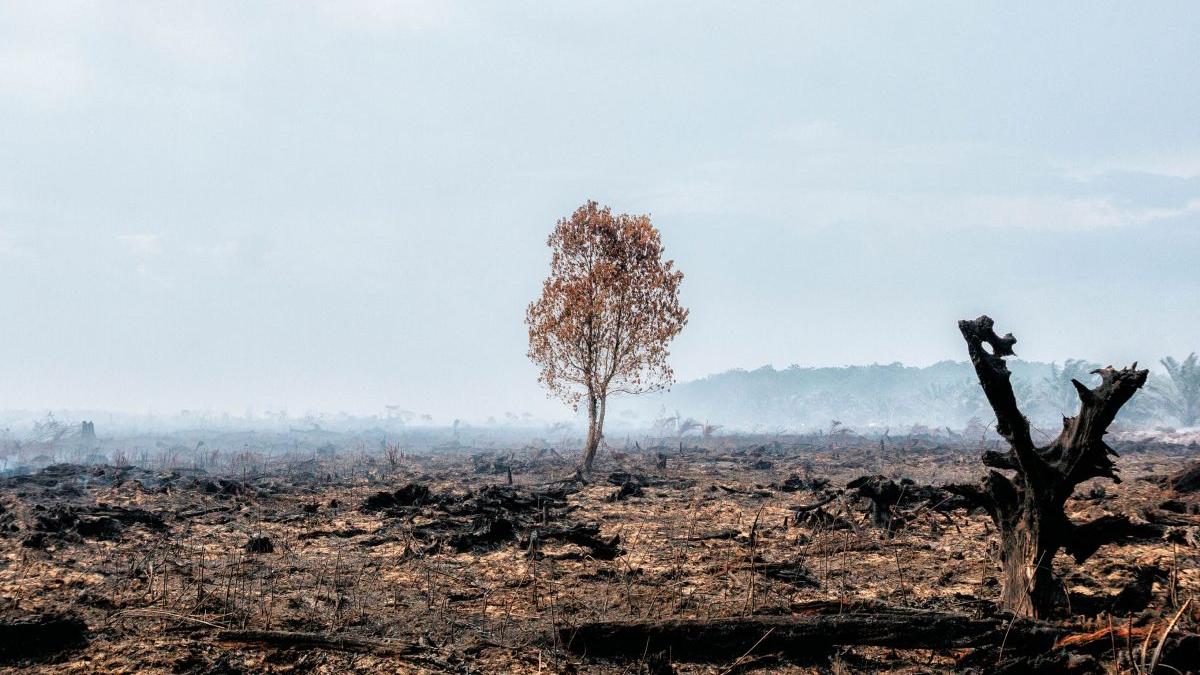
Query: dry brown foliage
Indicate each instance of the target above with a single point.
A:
(608, 310)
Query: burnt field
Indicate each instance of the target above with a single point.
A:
(830, 554)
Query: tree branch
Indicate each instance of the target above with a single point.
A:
(975, 495)
(1080, 450)
(994, 378)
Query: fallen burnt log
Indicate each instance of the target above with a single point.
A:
(798, 637)
(793, 572)
(345, 533)
(1050, 663)
(889, 499)
(585, 535)
(727, 533)
(338, 643)
(40, 636)
(620, 478)
(1148, 648)
(184, 515)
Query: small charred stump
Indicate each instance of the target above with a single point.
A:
(486, 532)
(628, 489)
(1028, 507)
(256, 545)
(793, 572)
(629, 485)
(884, 494)
(413, 494)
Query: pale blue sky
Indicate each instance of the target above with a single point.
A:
(343, 205)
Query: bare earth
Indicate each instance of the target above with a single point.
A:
(478, 576)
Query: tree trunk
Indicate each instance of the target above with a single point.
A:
(1028, 587)
(594, 432)
(600, 419)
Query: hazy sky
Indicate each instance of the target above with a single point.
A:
(343, 205)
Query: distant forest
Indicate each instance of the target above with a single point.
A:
(895, 397)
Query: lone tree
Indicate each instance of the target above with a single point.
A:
(1028, 508)
(607, 312)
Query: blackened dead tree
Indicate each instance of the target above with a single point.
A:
(1028, 507)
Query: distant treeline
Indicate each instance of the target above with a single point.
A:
(898, 397)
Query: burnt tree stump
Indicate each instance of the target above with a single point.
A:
(1028, 507)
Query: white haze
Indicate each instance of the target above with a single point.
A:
(343, 205)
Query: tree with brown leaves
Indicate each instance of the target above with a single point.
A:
(608, 310)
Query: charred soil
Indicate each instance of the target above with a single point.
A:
(812, 554)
